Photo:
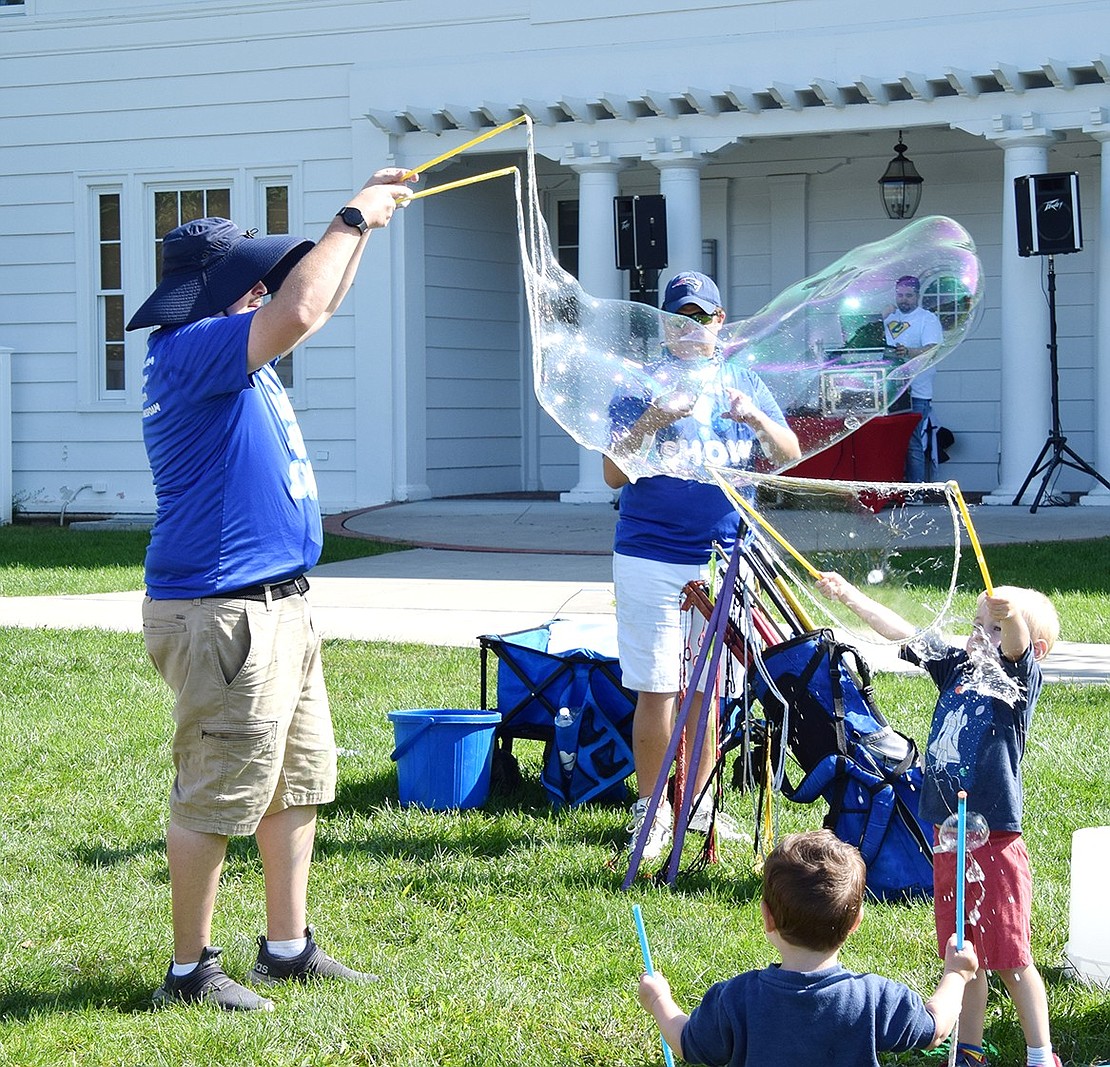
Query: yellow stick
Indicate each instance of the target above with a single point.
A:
(954, 488)
(463, 147)
(787, 593)
(811, 570)
(460, 183)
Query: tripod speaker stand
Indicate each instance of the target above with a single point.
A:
(1055, 452)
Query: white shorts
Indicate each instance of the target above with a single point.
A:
(653, 641)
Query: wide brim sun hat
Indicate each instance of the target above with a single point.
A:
(208, 264)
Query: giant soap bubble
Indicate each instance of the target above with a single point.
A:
(818, 347)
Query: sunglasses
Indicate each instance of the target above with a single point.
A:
(702, 318)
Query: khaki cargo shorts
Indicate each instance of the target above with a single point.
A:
(253, 732)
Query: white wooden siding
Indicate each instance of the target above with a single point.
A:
(175, 91)
(474, 361)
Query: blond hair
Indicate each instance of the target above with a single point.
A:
(1037, 610)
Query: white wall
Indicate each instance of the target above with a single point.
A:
(474, 360)
(155, 89)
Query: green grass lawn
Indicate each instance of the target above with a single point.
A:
(502, 935)
(43, 560)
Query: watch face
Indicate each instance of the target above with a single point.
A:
(353, 217)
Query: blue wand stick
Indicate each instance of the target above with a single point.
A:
(961, 876)
(961, 864)
(668, 1059)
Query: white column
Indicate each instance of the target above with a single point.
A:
(598, 274)
(1100, 495)
(680, 184)
(1026, 379)
(372, 312)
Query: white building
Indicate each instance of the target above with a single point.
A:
(766, 125)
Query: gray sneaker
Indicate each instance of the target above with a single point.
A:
(312, 963)
(702, 820)
(209, 984)
(659, 836)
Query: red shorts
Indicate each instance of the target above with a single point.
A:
(996, 908)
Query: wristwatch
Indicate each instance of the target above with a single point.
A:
(353, 218)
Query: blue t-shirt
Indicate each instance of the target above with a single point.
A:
(777, 1018)
(675, 520)
(976, 742)
(237, 499)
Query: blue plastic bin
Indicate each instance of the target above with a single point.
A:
(443, 757)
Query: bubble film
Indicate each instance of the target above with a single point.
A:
(902, 554)
(976, 833)
(818, 347)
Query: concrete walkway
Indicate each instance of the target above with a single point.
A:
(493, 566)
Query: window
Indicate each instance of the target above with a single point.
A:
(109, 295)
(119, 242)
(276, 208)
(566, 236)
(948, 298)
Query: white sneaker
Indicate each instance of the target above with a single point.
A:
(701, 820)
(660, 835)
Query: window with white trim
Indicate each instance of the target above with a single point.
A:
(121, 247)
(566, 235)
(112, 377)
(275, 207)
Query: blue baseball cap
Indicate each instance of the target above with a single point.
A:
(692, 287)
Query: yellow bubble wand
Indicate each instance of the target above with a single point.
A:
(787, 593)
(463, 147)
(460, 183)
(954, 489)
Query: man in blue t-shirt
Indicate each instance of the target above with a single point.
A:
(669, 525)
(225, 619)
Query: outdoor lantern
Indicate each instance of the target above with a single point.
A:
(901, 185)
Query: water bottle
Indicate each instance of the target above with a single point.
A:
(567, 760)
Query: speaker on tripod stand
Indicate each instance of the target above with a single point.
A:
(1048, 224)
(1048, 219)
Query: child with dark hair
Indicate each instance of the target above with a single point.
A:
(809, 1008)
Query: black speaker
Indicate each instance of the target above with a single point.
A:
(641, 223)
(1048, 214)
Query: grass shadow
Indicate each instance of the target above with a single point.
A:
(123, 994)
(97, 856)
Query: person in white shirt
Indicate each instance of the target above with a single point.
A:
(911, 330)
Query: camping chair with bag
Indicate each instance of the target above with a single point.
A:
(551, 688)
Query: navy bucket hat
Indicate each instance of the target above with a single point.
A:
(208, 264)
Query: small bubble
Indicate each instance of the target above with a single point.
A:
(874, 577)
